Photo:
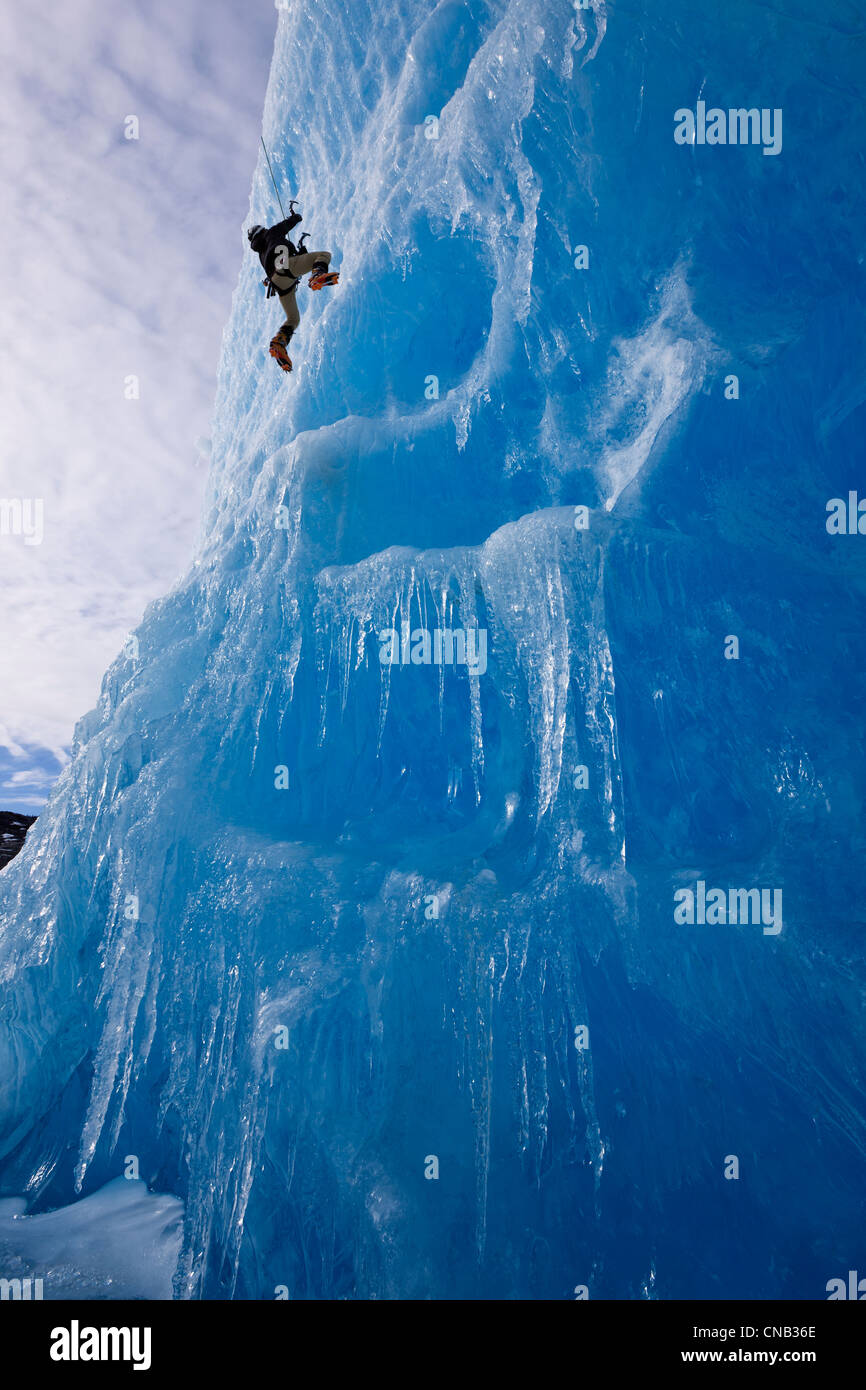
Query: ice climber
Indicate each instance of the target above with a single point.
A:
(284, 265)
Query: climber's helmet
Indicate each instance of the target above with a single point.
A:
(256, 237)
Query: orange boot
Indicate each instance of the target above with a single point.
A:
(320, 278)
(278, 352)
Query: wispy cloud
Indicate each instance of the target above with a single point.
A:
(119, 260)
(27, 773)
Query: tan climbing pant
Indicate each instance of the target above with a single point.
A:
(297, 266)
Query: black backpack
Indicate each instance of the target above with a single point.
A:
(293, 251)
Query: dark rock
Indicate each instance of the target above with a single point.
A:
(13, 831)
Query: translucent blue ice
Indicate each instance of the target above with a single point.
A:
(312, 936)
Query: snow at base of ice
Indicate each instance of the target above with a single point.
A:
(120, 1242)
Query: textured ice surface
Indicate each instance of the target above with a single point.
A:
(439, 898)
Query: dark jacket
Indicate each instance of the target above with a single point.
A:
(278, 236)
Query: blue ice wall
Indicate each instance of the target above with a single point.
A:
(285, 1001)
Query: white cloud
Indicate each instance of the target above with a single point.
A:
(119, 257)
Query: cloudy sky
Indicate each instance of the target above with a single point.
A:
(119, 259)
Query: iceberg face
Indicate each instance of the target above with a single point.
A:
(400, 912)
